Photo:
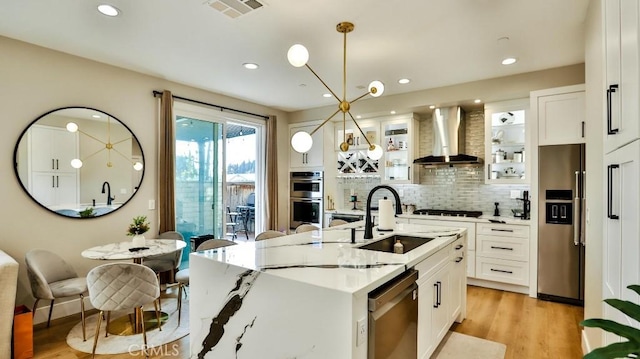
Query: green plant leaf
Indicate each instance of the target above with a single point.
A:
(613, 327)
(635, 288)
(614, 350)
(629, 308)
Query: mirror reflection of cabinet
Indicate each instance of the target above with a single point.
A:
(79, 162)
(506, 142)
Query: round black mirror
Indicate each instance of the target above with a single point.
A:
(79, 162)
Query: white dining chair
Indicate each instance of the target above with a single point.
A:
(306, 228)
(52, 278)
(169, 262)
(269, 234)
(123, 286)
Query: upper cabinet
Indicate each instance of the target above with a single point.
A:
(622, 72)
(506, 142)
(399, 135)
(561, 113)
(311, 158)
(356, 160)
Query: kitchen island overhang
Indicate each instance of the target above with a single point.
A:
(295, 296)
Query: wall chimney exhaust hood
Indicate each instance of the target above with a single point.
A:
(448, 139)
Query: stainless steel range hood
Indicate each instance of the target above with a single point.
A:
(448, 139)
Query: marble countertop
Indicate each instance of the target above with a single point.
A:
(481, 219)
(327, 258)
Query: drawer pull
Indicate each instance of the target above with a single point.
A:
(459, 259)
(502, 230)
(459, 246)
(505, 248)
(501, 271)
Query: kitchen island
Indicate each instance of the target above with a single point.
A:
(305, 295)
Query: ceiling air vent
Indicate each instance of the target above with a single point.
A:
(236, 8)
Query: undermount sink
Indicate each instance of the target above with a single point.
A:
(386, 245)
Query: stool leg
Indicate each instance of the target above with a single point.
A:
(144, 332)
(155, 304)
(84, 327)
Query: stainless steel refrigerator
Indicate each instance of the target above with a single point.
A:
(561, 222)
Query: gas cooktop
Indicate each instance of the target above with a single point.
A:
(447, 212)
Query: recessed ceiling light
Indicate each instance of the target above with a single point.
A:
(404, 81)
(477, 100)
(108, 10)
(250, 65)
(326, 95)
(358, 117)
(432, 107)
(393, 112)
(509, 61)
(95, 116)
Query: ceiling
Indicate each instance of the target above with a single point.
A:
(433, 43)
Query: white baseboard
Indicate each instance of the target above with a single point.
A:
(60, 310)
(498, 285)
(586, 347)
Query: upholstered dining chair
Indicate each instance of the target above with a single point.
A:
(306, 228)
(269, 234)
(169, 262)
(122, 286)
(52, 278)
(182, 277)
(337, 222)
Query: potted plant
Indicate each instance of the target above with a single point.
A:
(136, 229)
(87, 213)
(625, 349)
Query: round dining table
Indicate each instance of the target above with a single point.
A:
(126, 250)
(128, 325)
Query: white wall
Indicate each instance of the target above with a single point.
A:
(36, 80)
(595, 111)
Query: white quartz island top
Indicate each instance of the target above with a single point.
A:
(327, 258)
(296, 296)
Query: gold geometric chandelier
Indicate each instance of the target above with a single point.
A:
(301, 141)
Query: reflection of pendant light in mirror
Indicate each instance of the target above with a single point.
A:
(77, 163)
(301, 141)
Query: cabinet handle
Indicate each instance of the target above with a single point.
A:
(459, 246)
(610, 129)
(53, 164)
(501, 271)
(409, 173)
(57, 164)
(610, 169)
(504, 248)
(582, 129)
(436, 294)
(53, 181)
(488, 171)
(502, 230)
(439, 293)
(57, 181)
(459, 259)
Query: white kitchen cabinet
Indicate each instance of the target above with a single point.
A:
(313, 157)
(441, 293)
(52, 181)
(622, 47)
(621, 245)
(399, 141)
(561, 114)
(502, 253)
(506, 142)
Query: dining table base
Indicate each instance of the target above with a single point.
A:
(128, 325)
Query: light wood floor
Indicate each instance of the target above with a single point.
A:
(529, 327)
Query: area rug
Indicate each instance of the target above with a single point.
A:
(117, 344)
(456, 345)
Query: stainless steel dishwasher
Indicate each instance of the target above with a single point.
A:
(393, 318)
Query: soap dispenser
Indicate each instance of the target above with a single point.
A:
(398, 247)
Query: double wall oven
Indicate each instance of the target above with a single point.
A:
(305, 198)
